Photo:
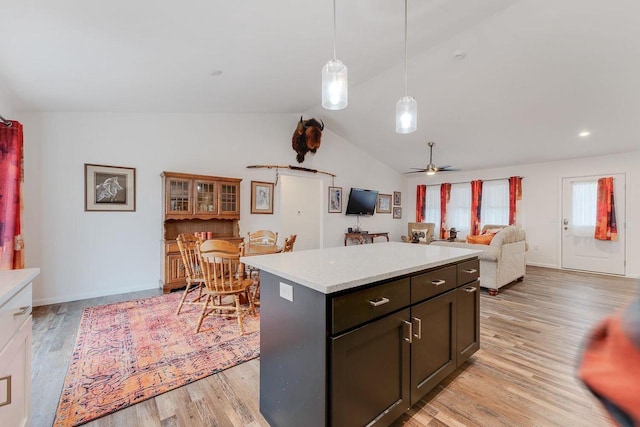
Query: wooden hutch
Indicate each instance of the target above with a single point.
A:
(195, 203)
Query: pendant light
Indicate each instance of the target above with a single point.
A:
(407, 106)
(334, 78)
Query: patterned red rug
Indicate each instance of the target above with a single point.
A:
(131, 351)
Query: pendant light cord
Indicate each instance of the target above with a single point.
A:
(406, 91)
(334, 30)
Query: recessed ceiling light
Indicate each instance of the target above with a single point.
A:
(584, 133)
(216, 73)
(459, 55)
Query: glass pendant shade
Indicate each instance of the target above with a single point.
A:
(334, 85)
(406, 115)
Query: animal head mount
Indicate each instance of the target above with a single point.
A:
(306, 137)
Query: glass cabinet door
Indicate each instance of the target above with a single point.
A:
(179, 196)
(229, 198)
(206, 197)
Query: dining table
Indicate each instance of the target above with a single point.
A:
(253, 250)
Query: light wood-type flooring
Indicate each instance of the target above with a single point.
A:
(523, 375)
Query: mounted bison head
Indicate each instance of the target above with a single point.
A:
(306, 137)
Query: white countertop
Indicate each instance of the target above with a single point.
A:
(12, 281)
(335, 269)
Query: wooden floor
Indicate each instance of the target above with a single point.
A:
(523, 375)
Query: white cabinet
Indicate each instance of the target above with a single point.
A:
(15, 348)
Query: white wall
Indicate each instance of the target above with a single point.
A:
(84, 254)
(541, 201)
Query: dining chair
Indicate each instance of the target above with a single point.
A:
(262, 237)
(224, 277)
(188, 244)
(288, 243)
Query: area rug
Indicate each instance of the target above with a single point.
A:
(131, 351)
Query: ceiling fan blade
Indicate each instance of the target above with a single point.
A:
(449, 170)
(443, 167)
(417, 171)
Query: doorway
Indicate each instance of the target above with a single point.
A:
(301, 211)
(580, 250)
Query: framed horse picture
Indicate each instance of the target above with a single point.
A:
(109, 188)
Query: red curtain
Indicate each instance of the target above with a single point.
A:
(445, 194)
(421, 200)
(606, 227)
(476, 202)
(11, 255)
(515, 194)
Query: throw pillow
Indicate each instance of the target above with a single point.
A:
(420, 233)
(483, 239)
(491, 231)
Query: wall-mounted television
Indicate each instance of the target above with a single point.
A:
(361, 202)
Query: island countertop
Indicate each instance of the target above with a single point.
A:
(12, 281)
(331, 270)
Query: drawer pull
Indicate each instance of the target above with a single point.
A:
(470, 271)
(410, 339)
(470, 289)
(22, 311)
(438, 282)
(419, 334)
(378, 301)
(7, 381)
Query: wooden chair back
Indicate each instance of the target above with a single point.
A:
(262, 237)
(188, 245)
(223, 271)
(288, 243)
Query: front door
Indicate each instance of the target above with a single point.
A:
(580, 250)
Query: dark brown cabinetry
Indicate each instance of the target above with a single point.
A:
(195, 203)
(386, 345)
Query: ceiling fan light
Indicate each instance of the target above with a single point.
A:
(406, 115)
(334, 85)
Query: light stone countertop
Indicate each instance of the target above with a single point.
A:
(331, 270)
(12, 281)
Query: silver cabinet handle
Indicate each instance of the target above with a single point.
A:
(7, 381)
(378, 301)
(22, 310)
(438, 282)
(419, 334)
(470, 289)
(410, 339)
(470, 271)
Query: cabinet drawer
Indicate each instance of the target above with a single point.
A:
(468, 271)
(361, 306)
(433, 283)
(14, 313)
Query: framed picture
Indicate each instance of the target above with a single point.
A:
(397, 198)
(261, 197)
(109, 188)
(397, 212)
(384, 203)
(335, 199)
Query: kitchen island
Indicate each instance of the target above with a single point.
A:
(356, 335)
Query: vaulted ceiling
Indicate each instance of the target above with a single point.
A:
(498, 82)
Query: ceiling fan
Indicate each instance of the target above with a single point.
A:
(431, 167)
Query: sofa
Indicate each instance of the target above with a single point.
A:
(419, 232)
(503, 260)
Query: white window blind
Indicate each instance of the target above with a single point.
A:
(495, 202)
(584, 207)
(459, 208)
(432, 202)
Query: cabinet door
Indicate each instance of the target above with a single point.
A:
(15, 378)
(175, 270)
(370, 372)
(229, 198)
(468, 318)
(205, 197)
(179, 197)
(433, 354)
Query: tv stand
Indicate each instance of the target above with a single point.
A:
(364, 236)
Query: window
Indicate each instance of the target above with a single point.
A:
(584, 207)
(495, 202)
(432, 203)
(459, 208)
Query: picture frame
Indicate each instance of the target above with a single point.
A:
(397, 212)
(384, 203)
(261, 197)
(335, 200)
(109, 188)
(397, 198)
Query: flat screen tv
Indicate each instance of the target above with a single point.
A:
(361, 202)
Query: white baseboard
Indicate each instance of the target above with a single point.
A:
(102, 293)
(540, 264)
(555, 267)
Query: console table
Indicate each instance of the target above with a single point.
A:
(364, 237)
